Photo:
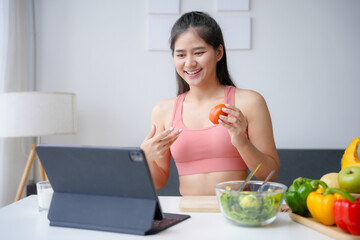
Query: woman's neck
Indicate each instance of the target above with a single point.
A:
(209, 91)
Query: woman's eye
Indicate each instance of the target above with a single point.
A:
(180, 55)
(199, 53)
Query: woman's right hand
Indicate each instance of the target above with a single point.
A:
(157, 146)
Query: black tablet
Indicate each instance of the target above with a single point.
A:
(103, 188)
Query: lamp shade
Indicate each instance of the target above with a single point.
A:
(26, 114)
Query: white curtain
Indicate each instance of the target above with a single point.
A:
(17, 73)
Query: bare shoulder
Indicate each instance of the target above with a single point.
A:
(164, 106)
(248, 99)
(162, 113)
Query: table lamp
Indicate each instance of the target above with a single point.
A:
(36, 114)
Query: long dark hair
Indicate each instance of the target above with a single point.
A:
(210, 32)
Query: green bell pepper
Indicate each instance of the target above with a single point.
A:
(297, 193)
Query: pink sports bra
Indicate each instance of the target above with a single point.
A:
(207, 149)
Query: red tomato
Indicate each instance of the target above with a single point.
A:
(216, 112)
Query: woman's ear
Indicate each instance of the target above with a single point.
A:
(219, 53)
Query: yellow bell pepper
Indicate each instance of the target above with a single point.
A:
(350, 157)
(321, 202)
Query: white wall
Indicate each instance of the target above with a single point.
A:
(305, 61)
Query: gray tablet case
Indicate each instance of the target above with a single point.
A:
(103, 188)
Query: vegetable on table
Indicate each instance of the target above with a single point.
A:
(350, 157)
(321, 202)
(297, 193)
(347, 216)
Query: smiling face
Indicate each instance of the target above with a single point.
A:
(194, 59)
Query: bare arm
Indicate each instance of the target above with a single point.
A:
(157, 144)
(259, 145)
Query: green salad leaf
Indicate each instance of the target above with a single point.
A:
(250, 207)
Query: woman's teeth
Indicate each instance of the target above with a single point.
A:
(192, 73)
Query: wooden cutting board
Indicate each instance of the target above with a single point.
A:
(355, 195)
(331, 231)
(199, 204)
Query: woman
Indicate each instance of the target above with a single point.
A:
(206, 154)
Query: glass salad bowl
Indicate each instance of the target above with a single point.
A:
(249, 207)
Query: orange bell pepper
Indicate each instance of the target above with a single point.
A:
(321, 202)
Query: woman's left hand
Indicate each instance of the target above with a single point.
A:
(236, 124)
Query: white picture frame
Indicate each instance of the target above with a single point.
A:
(236, 31)
(232, 5)
(158, 31)
(163, 6)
